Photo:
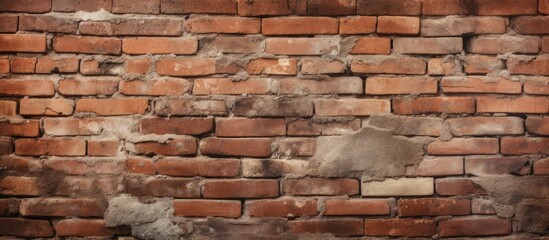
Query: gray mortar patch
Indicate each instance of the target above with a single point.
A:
(147, 221)
(372, 152)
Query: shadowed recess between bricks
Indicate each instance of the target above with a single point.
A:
(274, 119)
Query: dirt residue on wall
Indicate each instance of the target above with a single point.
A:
(372, 152)
(524, 199)
(148, 221)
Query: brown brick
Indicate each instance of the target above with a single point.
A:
(537, 86)
(23, 43)
(57, 207)
(179, 126)
(87, 87)
(247, 147)
(273, 167)
(29, 6)
(244, 127)
(495, 45)
(320, 186)
(446, 7)
(434, 207)
(389, 65)
(37, 23)
(482, 126)
(190, 107)
(4, 63)
(457, 26)
(139, 6)
(103, 148)
(331, 8)
(241, 188)
(9, 23)
(458, 186)
(464, 146)
(19, 186)
(282, 208)
(203, 6)
(524, 145)
(336, 227)
(339, 85)
(46, 107)
(427, 45)
(302, 46)
(86, 6)
(401, 85)
(83, 227)
(175, 147)
(357, 25)
(497, 166)
(187, 167)
(113, 107)
(95, 28)
(234, 25)
(421, 105)
(537, 125)
(359, 207)
(307, 127)
(523, 104)
(271, 7)
(29, 128)
(400, 227)
(297, 147)
(299, 26)
(398, 25)
(163, 187)
(389, 7)
(231, 44)
(50, 147)
(140, 166)
(207, 208)
(90, 45)
(8, 108)
(351, 107)
(474, 226)
(137, 66)
(26, 227)
(273, 107)
(541, 167)
(159, 45)
(57, 65)
(504, 7)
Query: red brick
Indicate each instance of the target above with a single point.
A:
(389, 7)
(537, 125)
(358, 207)
(538, 66)
(273, 107)
(37, 23)
(22, 65)
(77, 5)
(339, 85)
(50, 147)
(9, 207)
(19, 186)
(234, 25)
(389, 65)
(90, 45)
(284, 66)
(440, 166)
(57, 207)
(474, 226)
(9, 23)
(84, 166)
(302, 46)
(207, 208)
(175, 147)
(203, 6)
(158, 87)
(505, 7)
(524, 145)
(421, 105)
(87, 87)
(400, 227)
(480, 85)
(190, 107)
(57, 65)
(83, 227)
(545, 44)
(427, 45)
(140, 166)
(458, 186)
(26, 227)
(331, 8)
(306, 127)
(72, 126)
(247, 147)
(273, 167)
(320, 186)
(26, 88)
(402, 85)
(464, 146)
(531, 25)
(357, 25)
(244, 127)
(163, 187)
(23, 43)
(241, 188)
(103, 148)
(541, 167)
(321, 66)
(137, 66)
(372, 45)
(205, 167)
(179, 126)
(159, 45)
(8, 108)
(336, 227)
(445, 7)
(271, 7)
(398, 25)
(495, 45)
(297, 147)
(28, 128)
(29, 6)
(212, 86)
(482, 126)
(186, 67)
(497, 166)
(46, 107)
(299, 26)
(139, 6)
(113, 107)
(282, 208)
(524, 104)
(454, 26)
(537, 86)
(351, 107)
(434, 207)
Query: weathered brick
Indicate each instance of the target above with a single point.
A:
(179, 126)
(537, 86)
(457, 26)
(72, 126)
(331, 8)
(531, 25)
(434, 207)
(241, 188)
(357, 25)
(83, 227)
(244, 127)
(113, 107)
(57, 65)
(389, 65)
(273, 107)
(50, 147)
(19, 186)
(95, 28)
(190, 107)
(421, 105)
(284, 66)
(84, 166)
(90, 45)
(538, 66)
(159, 45)
(482, 206)
(28, 128)
(29, 6)
(175, 147)
(103, 148)
(22, 43)
(321, 66)
(271, 7)
(234, 25)
(139, 6)
(207, 208)
(401, 85)
(87, 87)
(400, 227)
(137, 66)
(541, 167)
(339, 85)
(440, 166)
(464, 146)
(27, 228)
(273, 167)
(336, 227)
(77, 5)
(480, 85)
(9, 23)
(495, 45)
(504, 7)
(474, 226)
(428, 45)
(351, 107)
(8, 108)
(523, 104)
(537, 125)
(406, 125)
(57, 207)
(22, 64)
(398, 187)
(186, 67)
(297, 147)
(446, 7)
(524, 145)
(389, 7)
(359, 207)
(320, 186)
(204, 6)
(282, 208)
(46, 107)
(302, 46)
(299, 26)
(187, 167)
(231, 44)
(398, 25)
(227, 86)
(140, 165)
(497, 166)
(458, 186)
(158, 87)
(247, 147)
(163, 187)
(482, 126)
(6, 146)
(307, 127)
(372, 45)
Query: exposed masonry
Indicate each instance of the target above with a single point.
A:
(274, 119)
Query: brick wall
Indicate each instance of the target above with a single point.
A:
(274, 119)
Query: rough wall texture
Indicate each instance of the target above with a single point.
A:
(274, 119)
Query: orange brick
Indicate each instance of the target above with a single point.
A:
(46, 107)
(357, 25)
(524, 104)
(421, 105)
(398, 25)
(22, 43)
(90, 45)
(403, 85)
(159, 45)
(360, 207)
(113, 107)
(372, 45)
